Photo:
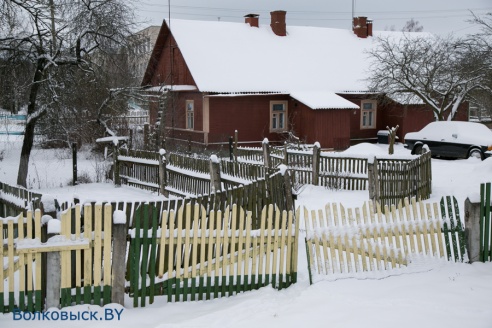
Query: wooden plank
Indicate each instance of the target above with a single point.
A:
(162, 244)
(29, 260)
(170, 259)
(268, 231)
(225, 251)
(282, 250)
(288, 263)
(179, 253)
(22, 271)
(10, 269)
(203, 252)
(2, 256)
(275, 248)
(78, 258)
(246, 284)
(186, 251)
(261, 255)
(218, 245)
(211, 221)
(240, 267)
(194, 258)
(108, 214)
(97, 253)
(39, 303)
(88, 267)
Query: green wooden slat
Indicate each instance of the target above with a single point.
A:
(22, 301)
(216, 282)
(208, 291)
(78, 295)
(39, 304)
(460, 230)
(11, 301)
(482, 222)
(445, 229)
(193, 288)
(152, 275)
(107, 294)
(145, 254)
(30, 303)
(136, 255)
(231, 284)
(486, 218)
(201, 288)
(452, 229)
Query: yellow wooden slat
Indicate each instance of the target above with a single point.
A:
(97, 245)
(240, 248)
(262, 244)
(282, 250)
(22, 271)
(211, 221)
(88, 265)
(435, 251)
(339, 240)
(107, 243)
(317, 251)
(218, 243)
(288, 230)
(37, 234)
(247, 248)
(196, 223)
(322, 223)
(187, 242)
(268, 231)
(417, 226)
(439, 233)
(354, 249)
(10, 252)
(162, 244)
(275, 243)
(78, 257)
(411, 234)
(170, 259)
(179, 244)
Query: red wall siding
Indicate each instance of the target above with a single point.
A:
(250, 115)
(329, 127)
(162, 72)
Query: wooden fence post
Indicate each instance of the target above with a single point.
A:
(286, 154)
(116, 165)
(231, 149)
(163, 173)
(266, 153)
(215, 182)
(372, 174)
(288, 190)
(472, 229)
(53, 276)
(236, 139)
(118, 266)
(316, 160)
(146, 136)
(74, 163)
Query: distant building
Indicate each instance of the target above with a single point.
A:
(140, 48)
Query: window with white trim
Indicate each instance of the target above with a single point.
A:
(190, 114)
(278, 116)
(368, 114)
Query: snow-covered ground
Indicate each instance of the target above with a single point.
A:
(440, 295)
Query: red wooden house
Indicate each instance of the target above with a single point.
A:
(266, 81)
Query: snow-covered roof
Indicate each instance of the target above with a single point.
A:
(313, 63)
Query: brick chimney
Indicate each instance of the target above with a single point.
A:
(362, 27)
(252, 20)
(278, 22)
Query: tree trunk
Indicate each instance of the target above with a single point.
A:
(25, 154)
(30, 124)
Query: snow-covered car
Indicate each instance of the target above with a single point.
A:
(452, 139)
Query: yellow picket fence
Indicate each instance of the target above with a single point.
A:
(192, 255)
(341, 241)
(85, 264)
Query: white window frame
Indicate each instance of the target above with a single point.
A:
(368, 114)
(190, 114)
(278, 119)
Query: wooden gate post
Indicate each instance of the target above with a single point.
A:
(266, 153)
(472, 230)
(215, 180)
(163, 173)
(118, 266)
(316, 160)
(53, 276)
(236, 139)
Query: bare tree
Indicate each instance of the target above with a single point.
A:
(440, 72)
(53, 35)
(412, 26)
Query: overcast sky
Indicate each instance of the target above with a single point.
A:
(436, 16)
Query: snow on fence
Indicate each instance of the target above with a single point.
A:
(345, 242)
(192, 255)
(80, 271)
(16, 199)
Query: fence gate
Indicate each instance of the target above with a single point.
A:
(348, 241)
(84, 271)
(192, 255)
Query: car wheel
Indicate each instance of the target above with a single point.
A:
(417, 150)
(476, 153)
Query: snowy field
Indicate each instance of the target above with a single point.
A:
(439, 294)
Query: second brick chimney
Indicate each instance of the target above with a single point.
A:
(252, 20)
(278, 22)
(362, 26)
